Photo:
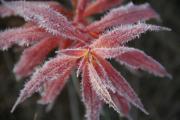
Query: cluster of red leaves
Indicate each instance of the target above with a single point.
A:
(83, 45)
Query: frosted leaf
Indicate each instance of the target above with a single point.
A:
(111, 52)
(59, 8)
(91, 101)
(6, 11)
(81, 5)
(79, 52)
(121, 85)
(21, 36)
(99, 6)
(123, 15)
(46, 18)
(137, 59)
(103, 76)
(122, 104)
(81, 64)
(99, 87)
(54, 88)
(123, 34)
(50, 71)
(34, 55)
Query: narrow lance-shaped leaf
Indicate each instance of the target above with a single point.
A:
(34, 55)
(99, 87)
(109, 53)
(46, 18)
(103, 76)
(92, 102)
(81, 64)
(51, 70)
(122, 104)
(60, 8)
(123, 15)
(80, 10)
(53, 88)
(122, 86)
(137, 59)
(123, 34)
(6, 11)
(78, 52)
(21, 36)
(99, 6)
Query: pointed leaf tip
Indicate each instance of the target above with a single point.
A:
(18, 101)
(157, 28)
(169, 76)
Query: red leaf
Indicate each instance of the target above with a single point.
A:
(92, 103)
(111, 52)
(34, 55)
(121, 85)
(53, 88)
(103, 76)
(81, 65)
(123, 15)
(123, 34)
(59, 8)
(78, 52)
(51, 70)
(21, 36)
(80, 10)
(122, 104)
(99, 6)
(99, 87)
(47, 18)
(137, 59)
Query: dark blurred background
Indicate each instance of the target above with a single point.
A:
(160, 96)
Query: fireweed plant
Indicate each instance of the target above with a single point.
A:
(83, 45)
